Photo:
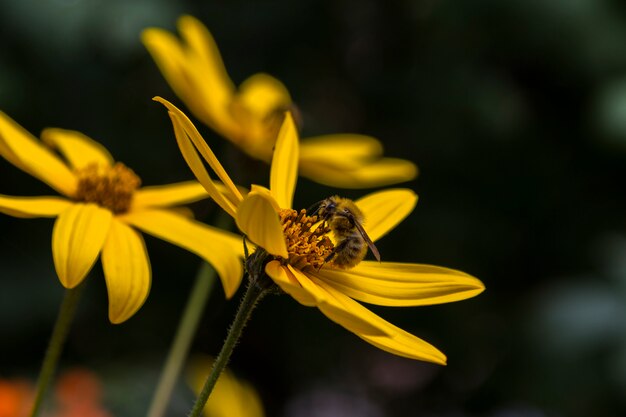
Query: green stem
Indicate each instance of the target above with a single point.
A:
(253, 294)
(55, 347)
(198, 297)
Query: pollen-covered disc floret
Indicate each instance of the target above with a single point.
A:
(308, 246)
(109, 187)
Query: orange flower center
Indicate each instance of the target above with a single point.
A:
(307, 246)
(109, 187)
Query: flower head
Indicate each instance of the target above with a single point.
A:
(102, 203)
(250, 116)
(299, 252)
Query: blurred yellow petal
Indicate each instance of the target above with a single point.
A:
(197, 167)
(33, 206)
(201, 44)
(126, 271)
(77, 238)
(194, 69)
(202, 147)
(284, 171)
(261, 101)
(25, 152)
(384, 210)
(78, 149)
(169, 195)
(367, 174)
(221, 249)
(258, 220)
(287, 282)
(395, 340)
(168, 53)
(231, 397)
(402, 285)
(347, 150)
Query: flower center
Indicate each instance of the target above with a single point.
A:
(307, 247)
(109, 187)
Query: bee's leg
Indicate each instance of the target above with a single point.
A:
(246, 252)
(336, 250)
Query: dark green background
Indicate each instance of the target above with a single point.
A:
(515, 112)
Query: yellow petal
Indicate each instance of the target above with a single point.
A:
(202, 148)
(33, 206)
(283, 277)
(78, 149)
(194, 69)
(334, 308)
(401, 285)
(169, 195)
(221, 249)
(77, 238)
(262, 96)
(126, 271)
(358, 174)
(284, 171)
(258, 220)
(167, 52)
(197, 167)
(348, 151)
(203, 49)
(384, 210)
(395, 340)
(25, 152)
(231, 397)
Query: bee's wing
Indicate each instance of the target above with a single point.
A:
(367, 239)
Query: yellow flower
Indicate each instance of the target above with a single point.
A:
(251, 115)
(231, 397)
(102, 201)
(299, 250)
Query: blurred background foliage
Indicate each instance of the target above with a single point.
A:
(515, 112)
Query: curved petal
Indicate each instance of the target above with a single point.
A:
(202, 45)
(33, 206)
(221, 249)
(401, 285)
(396, 340)
(194, 69)
(333, 308)
(126, 271)
(342, 150)
(78, 149)
(202, 147)
(168, 54)
(177, 69)
(365, 174)
(288, 283)
(258, 220)
(25, 152)
(77, 238)
(169, 195)
(194, 162)
(284, 171)
(384, 210)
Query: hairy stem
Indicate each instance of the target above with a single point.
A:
(253, 294)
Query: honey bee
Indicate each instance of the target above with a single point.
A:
(344, 219)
